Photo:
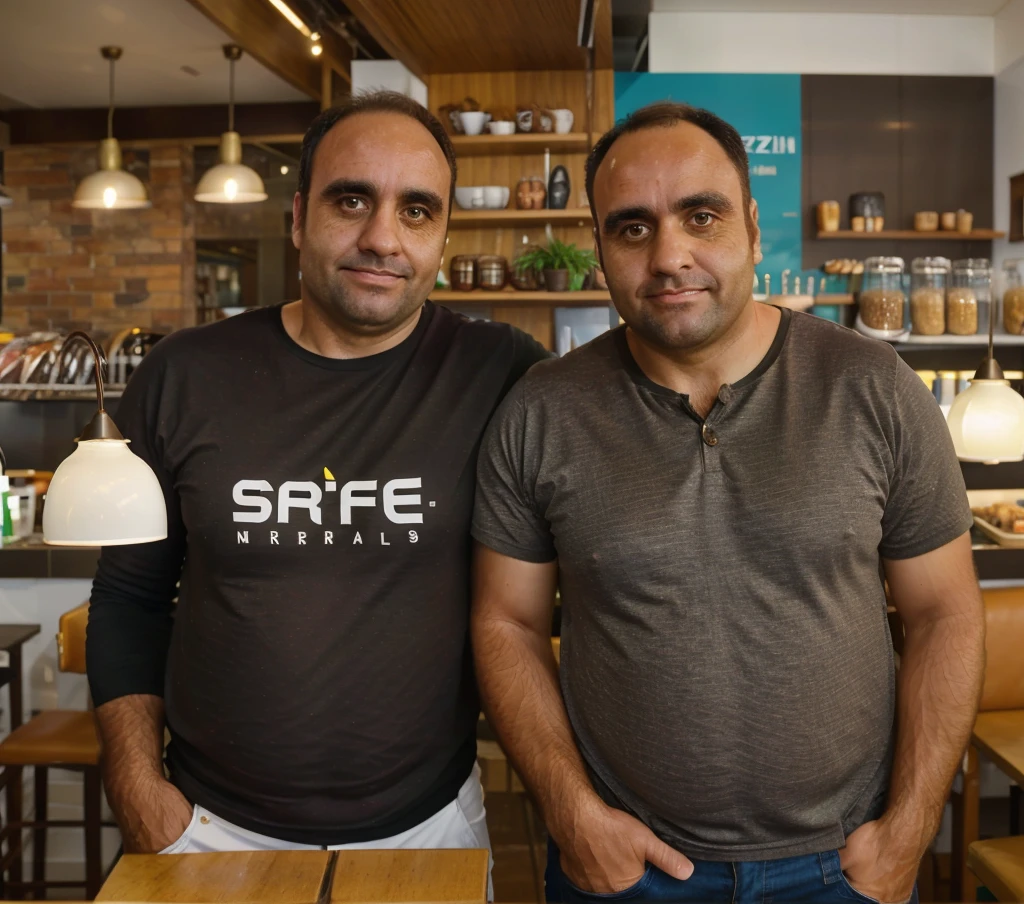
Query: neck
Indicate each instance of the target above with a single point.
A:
(309, 326)
(701, 371)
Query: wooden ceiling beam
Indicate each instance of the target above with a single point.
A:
(390, 28)
(263, 33)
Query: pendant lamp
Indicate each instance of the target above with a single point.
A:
(231, 181)
(110, 187)
(986, 420)
(102, 494)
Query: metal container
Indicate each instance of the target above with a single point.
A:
(464, 272)
(492, 272)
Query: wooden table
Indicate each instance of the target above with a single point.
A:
(12, 637)
(1000, 736)
(301, 877)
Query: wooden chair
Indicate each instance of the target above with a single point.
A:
(65, 739)
(998, 731)
(999, 864)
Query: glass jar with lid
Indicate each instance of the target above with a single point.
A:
(929, 278)
(882, 300)
(969, 297)
(1013, 296)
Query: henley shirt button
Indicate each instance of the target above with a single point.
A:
(204, 820)
(708, 434)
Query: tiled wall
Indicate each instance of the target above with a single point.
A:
(97, 270)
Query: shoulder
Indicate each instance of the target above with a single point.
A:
(491, 340)
(586, 369)
(829, 350)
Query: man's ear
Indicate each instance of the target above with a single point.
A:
(298, 212)
(756, 232)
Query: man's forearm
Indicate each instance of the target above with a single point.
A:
(941, 673)
(132, 733)
(519, 684)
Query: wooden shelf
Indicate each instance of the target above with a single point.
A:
(527, 143)
(589, 298)
(576, 216)
(977, 341)
(977, 235)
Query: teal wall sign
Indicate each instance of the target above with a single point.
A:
(765, 109)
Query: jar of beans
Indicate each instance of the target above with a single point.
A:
(882, 300)
(969, 297)
(1013, 296)
(929, 280)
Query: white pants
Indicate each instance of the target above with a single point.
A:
(461, 824)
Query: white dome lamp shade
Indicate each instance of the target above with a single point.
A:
(102, 494)
(986, 420)
(110, 187)
(231, 181)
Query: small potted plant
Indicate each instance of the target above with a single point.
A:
(563, 266)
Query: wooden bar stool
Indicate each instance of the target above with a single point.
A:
(999, 729)
(65, 739)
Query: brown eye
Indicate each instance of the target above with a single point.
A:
(635, 231)
(352, 203)
(703, 219)
(417, 213)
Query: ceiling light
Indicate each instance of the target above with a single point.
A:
(5, 199)
(316, 50)
(315, 36)
(231, 181)
(284, 170)
(285, 10)
(110, 187)
(986, 420)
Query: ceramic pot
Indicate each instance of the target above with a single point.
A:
(556, 280)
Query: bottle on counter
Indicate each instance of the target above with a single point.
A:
(929, 278)
(1013, 296)
(969, 297)
(882, 300)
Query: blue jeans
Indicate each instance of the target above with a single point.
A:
(813, 878)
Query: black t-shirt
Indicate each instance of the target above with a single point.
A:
(316, 670)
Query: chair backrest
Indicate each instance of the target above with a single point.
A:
(1004, 657)
(71, 639)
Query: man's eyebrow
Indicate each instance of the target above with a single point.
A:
(713, 199)
(340, 187)
(624, 214)
(425, 198)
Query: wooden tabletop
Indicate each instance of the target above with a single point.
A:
(451, 877)
(16, 635)
(1000, 736)
(301, 877)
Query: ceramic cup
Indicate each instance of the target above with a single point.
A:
(563, 121)
(473, 122)
(501, 127)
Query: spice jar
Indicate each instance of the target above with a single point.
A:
(882, 301)
(463, 272)
(492, 271)
(969, 297)
(1013, 297)
(928, 283)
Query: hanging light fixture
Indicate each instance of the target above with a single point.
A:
(986, 420)
(110, 187)
(102, 494)
(231, 181)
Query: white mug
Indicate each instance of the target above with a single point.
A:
(563, 121)
(473, 122)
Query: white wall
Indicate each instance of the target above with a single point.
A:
(842, 43)
(1009, 153)
(372, 75)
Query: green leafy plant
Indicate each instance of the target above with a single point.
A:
(559, 256)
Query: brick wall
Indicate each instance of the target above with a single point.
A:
(97, 270)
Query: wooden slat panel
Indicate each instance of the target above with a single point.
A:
(267, 36)
(474, 36)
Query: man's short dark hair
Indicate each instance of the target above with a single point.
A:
(371, 102)
(668, 113)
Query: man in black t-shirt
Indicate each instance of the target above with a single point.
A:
(318, 464)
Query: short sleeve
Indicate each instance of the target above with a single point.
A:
(506, 517)
(927, 504)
